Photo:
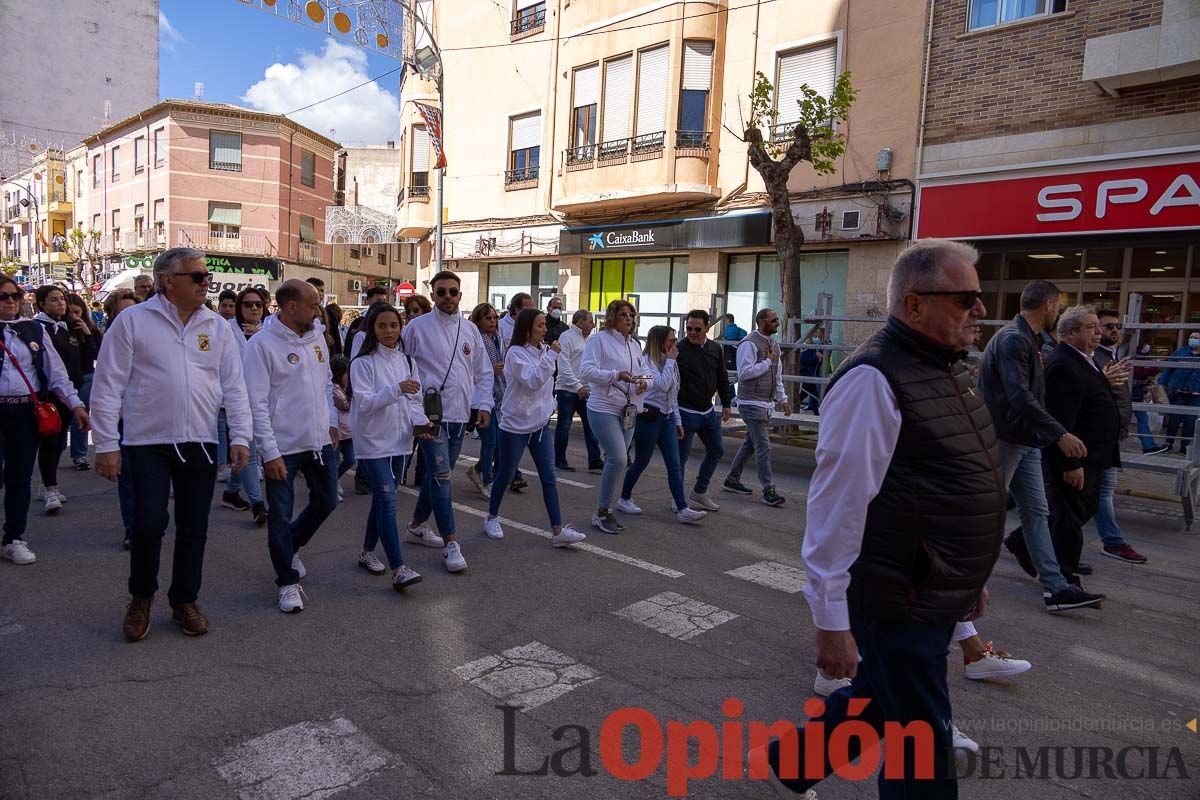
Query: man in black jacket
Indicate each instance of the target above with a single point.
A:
(701, 375)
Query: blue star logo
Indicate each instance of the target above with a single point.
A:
(596, 242)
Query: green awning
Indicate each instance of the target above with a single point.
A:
(225, 215)
(306, 230)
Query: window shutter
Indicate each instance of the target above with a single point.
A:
(306, 230)
(652, 90)
(618, 98)
(226, 148)
(420, 157)
(587, 86)
(224, 214)
(524, 4)
(139, 211)
(158, 211)
(816, 66)
(697, 65)
(526, 132)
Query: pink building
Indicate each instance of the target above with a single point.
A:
(247, 188)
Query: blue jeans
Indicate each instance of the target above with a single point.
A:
(249, 480)
(570, 404)
(1106, 515)
(615, 443)
(440, 454)
(541, 447)
(489, 450)
(1173, 421)
(647, 435)
(709, 427)
(346, 456)
(1023, 475)
(383, 474)
(286, 536)
(222, 439)
(1143, 429)
(79, 439)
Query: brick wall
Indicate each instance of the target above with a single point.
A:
(1026, 77)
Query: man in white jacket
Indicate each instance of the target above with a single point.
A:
(166, 366)
(571, 393)
(295, 427)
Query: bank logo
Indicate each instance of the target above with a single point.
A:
(596, 242)
(618, 239)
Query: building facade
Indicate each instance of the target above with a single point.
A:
(1076, 157)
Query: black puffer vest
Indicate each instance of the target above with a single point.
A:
(933, 532)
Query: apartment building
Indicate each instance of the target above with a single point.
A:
(597, 153)
(35, 217)
(1063, 138)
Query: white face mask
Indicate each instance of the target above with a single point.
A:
(1194, 343)
(555, 313)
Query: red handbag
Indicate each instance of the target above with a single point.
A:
(49, 423)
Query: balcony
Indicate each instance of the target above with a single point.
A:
(144, 240)
(649, 145)
(692, 143)
(226, 166)
(309, 253)
(529, 21)
(418, 194)
(580, 157)
(521, 178)
(415, 216)
(206, 241)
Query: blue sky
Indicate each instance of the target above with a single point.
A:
(250, 58)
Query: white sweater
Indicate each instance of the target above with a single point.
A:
(429, 339)
(570, 360)
(382, 416)
(529, 393)
(168, 380)
(663, 393)
(607, 354)
(290, 388)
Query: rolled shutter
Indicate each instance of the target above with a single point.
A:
(219, 214)
(618, 98)
(652, 90)
(306, 230)
(587, 86)
(524, 4)
(225, 148)
(420, 155)
(158, 211)
(697, 65)
(816, 67)
(527, 132)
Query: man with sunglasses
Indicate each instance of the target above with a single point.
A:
(166, 367)
(702, 374)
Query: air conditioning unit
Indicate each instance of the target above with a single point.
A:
(851, 220)
(353, 285)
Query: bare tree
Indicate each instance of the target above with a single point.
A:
(82, 246)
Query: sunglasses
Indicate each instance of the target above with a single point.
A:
(198, 276)
(1111, 326)
(690, 329)
(252, 304)
(625, 315)
(447, 292)
(14, 296)
(966, 299)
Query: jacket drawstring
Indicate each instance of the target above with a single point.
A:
(182, 460)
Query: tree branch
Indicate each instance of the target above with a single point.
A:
(799, 150)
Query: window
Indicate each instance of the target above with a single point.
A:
(115, 164)
(116, 224)
(651, 121)
(225, 151)
(95, 222)
(308, 230)
(139, 154)
(224, 224)
(139, 219)
(505, 279)
(989, 13)
(419, 180)
(693, 94)
(753, 283)
(383, 258)
(529, 16)
(618, 103)
(355, 254)
(79, 183)
(583, 113)
(159, 219)
(308, 168)
(160, 146)
(815, 67)
(525, 135)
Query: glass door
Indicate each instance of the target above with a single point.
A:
(1162, 305)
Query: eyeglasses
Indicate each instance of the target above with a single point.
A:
(1111, 326)
(199, 276)
(966, 299)
(14, 296)
(690, 329)
(252, 304)
(451, 291)
(625, 315)
(486, 317)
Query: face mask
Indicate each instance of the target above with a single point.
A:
(1194, 343)
(555, 313)
(1145, 349)
(816, 340)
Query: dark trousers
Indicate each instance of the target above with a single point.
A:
(570, 404)
(50, 449)
(708, 427)
(190, 469)
(286, 536)
(18, 449)
(1187, 421)
(903, 675)
(1070, 510)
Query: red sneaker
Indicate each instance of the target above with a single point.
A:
(1124, 552)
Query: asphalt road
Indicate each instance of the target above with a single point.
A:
(372, 694)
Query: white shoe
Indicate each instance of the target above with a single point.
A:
(690, 516)
(453, 558)
(19, 553)
(627, 506)
(566, 536)
(404, 577)
(341, 495)
(962, 744)
(290, 599)
(702, 500)
(371, 564)
(491, 526)
(423, 534)
(995, 664)
(223, 477)
(52, 502)
(62, 497)
(298, 565)
(827, 686)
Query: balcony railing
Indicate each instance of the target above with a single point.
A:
(615, 151)
(531, 20)
(225, 241)
(227, 166)
(649, 144)
(782, 131)
(522, 175)
(145, 240)
(13, 211)
(309, 253)
(692, 140)
(581, 156)
(418, 194)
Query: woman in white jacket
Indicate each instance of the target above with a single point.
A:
(387, 406)
(528, 403)
(612, 368)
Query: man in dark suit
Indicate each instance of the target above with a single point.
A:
(1080, 397)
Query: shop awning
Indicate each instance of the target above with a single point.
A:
(225, 215)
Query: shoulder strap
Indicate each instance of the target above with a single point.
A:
(12, 359)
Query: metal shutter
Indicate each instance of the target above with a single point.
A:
(652, 90)
(420, 154)
(697, 65)
(618, 98)
(816, 66)
(527, 132)
(225, 148)
(587, 86)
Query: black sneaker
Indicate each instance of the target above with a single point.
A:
(1083, 568)
(1016, 545)
(260, 514)
(235, 501)
(771, 497)
(125, 541)
(736, 486)
(596, 467)
(564, 468)
(1154, 451)
(1071, 597)
(607, 523)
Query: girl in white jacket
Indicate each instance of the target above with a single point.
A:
(387, 407)
(528, 403)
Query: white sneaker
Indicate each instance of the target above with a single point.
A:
(62, 497)
(962, 743)
(453, 558)
(290, 601)
(567, 535)
(371, 564)
(995, 664)
(404, 577)
(19, 553)
(690, 516)
(423, 534)
(341, 495)
(827, 686)
(223, 477)
(702, 500)
(298, 565)
(627, 506)
(52, 502)
(491, 526)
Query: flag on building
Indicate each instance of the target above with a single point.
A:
(433, 122)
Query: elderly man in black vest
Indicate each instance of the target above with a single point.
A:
(904, 524)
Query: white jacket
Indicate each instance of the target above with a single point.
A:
(607, 354)
(663, 393)
(382, 416)
(168, 380)
(529, 393)
(467, 370)
(570, 360)
(290, 388)
(506, 326)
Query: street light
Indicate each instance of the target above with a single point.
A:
(24, 202)
(428, 61)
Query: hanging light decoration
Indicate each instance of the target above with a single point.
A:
(382, 26)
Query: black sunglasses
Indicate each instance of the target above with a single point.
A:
(690, 329)
(199, 276)
(252, 304)
(444, 291)
(14, 296)
(966, 299)
(1111, 326)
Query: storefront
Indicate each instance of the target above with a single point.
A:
(1102, 231)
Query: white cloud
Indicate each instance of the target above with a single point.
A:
(168, 36)
(368, 114)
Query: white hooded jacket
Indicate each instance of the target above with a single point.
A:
(290, 388)
(431, 341)
(529, 389)
(381, 416)
(606, 355)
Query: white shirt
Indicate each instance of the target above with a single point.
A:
(13, 385)
(606, 355)
(381, 415)
(1086, 357)
(529, 389)
(747, 369)
(467, 370)
(508, 324)
(663, 393)
(356, 342)
(570, 359)
(860, 424)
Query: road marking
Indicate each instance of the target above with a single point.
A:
(527, 676)
(10, 625)
(772, 574)
(675, 615)
(591, 548)
(310, 760)
(561, 479)
(1141, 672)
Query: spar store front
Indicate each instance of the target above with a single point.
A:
(1101, 231)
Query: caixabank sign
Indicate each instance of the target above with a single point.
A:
(741, 230)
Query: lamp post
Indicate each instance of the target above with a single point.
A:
(428, 61)
(37, 217)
